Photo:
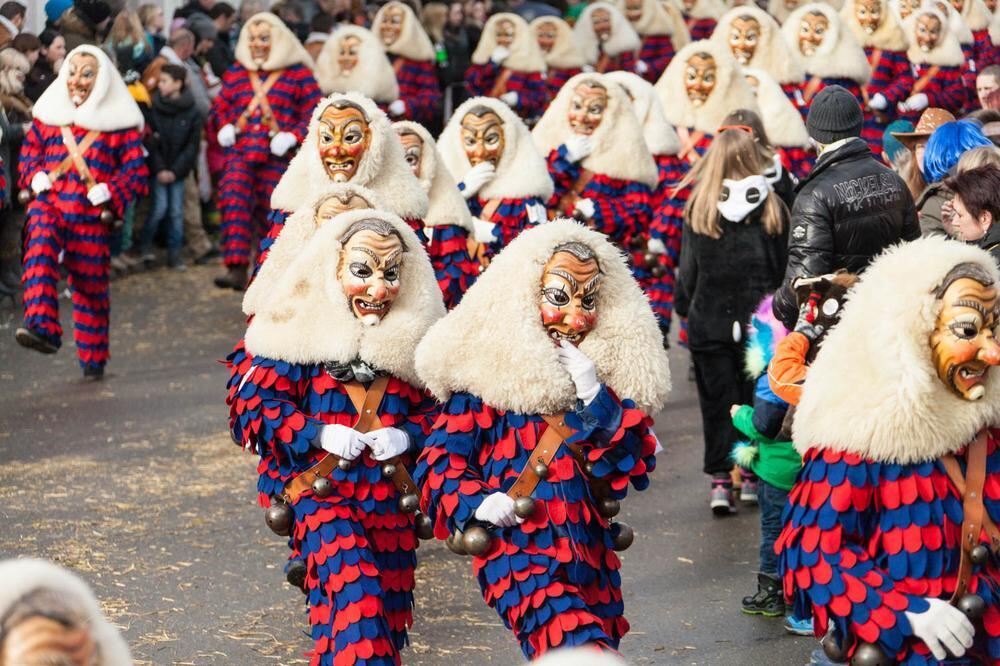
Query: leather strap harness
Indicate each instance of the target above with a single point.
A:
(75, 158)
(260, 91)
(479, 251)
(572, 195)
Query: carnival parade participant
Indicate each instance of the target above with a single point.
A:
(82, 160)
(500, 172)
(660, 35)
(607, 39)
(890, 518)
(563, 58)
(960, 23)
(324, 390)
(448, 225)
(937, 64)
(782, 123)
(544, 404)
(413, 60)
(354, 60)
(507, 64)
(262, 111)
(701, 16)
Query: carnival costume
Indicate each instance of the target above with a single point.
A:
(782, 122)
(413, 61)
(937, 67)
(507, 64)
(354, 61)
(608, 41)
(959, 25)
(660, 34)
(701, 16)
(563, 58)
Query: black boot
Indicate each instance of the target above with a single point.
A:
(93, 373)
(768, 601)
(235, 278)
(31, 340)
(295, 574)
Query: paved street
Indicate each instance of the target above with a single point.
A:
(135, 484)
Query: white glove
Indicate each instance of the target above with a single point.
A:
(342, 441)
(916, 102)
(499, 54)
(878, 102)
(41, 182)
(476, 177)
(282, 142)
(509, 98)
(388, 443)
(578, 147)
(942, 627)
(99, 194)
(581, 369)
(656, 246)
(227, 136)
(641, 67)
(484, 231)
(397, 108)
(498, 509)
(585, 207)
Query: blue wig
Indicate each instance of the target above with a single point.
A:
(946, 146)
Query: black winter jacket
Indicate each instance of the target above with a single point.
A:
(849, 209)
(176, 133)
(991, 242)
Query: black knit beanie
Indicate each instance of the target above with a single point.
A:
(95, 10)
(834, 115)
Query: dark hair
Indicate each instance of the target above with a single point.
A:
(26, 41)
(983, 116)
(176, 72)
(48, 36)
(221, 9)
(12, 9)
(979, 190)
(322, 22)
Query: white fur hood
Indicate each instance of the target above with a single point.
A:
(976, 14)
(413, 42)
(446, 203)
(705, 9)
(780, 11)
(494, 346)
(890, 35)
(623, 37)
(947, 53)
(286, 49)
(873, 389)
(306, 318)
(782, 121)
(661, 137)
(373, 77)
(839, 56)
(772, 54)
(109, 108)
(654, 19)
(565, 54)
(383, 168)
(525, 56)
(521, 172)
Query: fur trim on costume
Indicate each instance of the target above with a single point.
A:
(873, 389)
(373, 77)
(947, 53)
(745, 454)
(413, 42)
(286, 49)
(995, 29)
(773, 54)
(706, 9)
(653, 21)
(623, 37)
(977, 16)
(446, 203)
(383, 168)
(782, 121)
(525, 56)
(306, 318)
(731, 90)
(565, 54)
(681, 36)
(26, 575)
(521, 172)
(957, 24)
(780, 10)
(661, 138)
(890, 36)
(295, 235)
(619, 146)
(764, 332)
(494, 346)
(839, 56)
(109, 107)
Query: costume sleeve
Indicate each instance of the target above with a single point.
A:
(900, 77)
(687, 274)
(743, 421)
(419, 88)
(131, 180)
(222, 105)
(787, 371)
(307, 96)
(479, 79)
(412, 410)
(531, 94)
(948, 91)
(32, 153)
(563, 172)
(620, 214)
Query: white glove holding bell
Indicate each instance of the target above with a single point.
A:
(41, 182)
(397, 108)
(226, 136)
(578, 147)
(476, 177)
(878, 102)
(99, 194)
(342, 441)
(498, 509)
(641, 67)
(282, 142)
(943, 628)
(585, 208)
(499, 54)
(509, 98)
(917, 102)
(483, 231)
(656, 246)
(387, 443)
(581, 370)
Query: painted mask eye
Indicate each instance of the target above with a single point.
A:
(589, 302)
(361, 270)
(391, 273)
(964, 329)
(557, 297)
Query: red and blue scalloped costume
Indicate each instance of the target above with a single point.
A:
(419, 89)
(945, 90)
(656, 51)
(623, 62)
(556, 78)
(554, 579)
(359, 549)
(251, 171)
(455, 270)
(700, 28)
(892, 77)
(511, 217)
(532, 95)
(63, 221)
(865, 541)
(797, 160)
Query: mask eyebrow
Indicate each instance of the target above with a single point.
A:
(974, 305)
(566, 276)
(592, 284)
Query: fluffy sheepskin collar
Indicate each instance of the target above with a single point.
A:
(383, 168)
(705, 9)
(773, 53)
(494, 346)
(873, 389)
(780, 10)
(619, 146)
(522, 171)
(782, 121)
(109, 107)
(413, 42)
(286, 49)
(525, 56)
(957, 24)
(565, 54)
(654, 19)
(731, 89)
(995, 29)
(976, 14)
(839, 56)
(890, 36)
(947, 53)
(26, 575)
(446, 203)
(661, 138)
(306, 318)
(623, 38)
(373, 77)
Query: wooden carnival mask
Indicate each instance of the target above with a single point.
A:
(392, 25)
(260, 42)
(812, 32)
(633, 10)
(347, 54)
(482, 136)
(907, 7)
(413, 150)
(504, 33)
(959, 5)
(600, 21)
(343, 138)
(336, 204)
(546, 35)
(699, 78)
(587, 107)
(991, 5)
(744, 35)
(868, 13)
(370, 266)
(571, 281)
(688, 5)
(82, 77)
(928, 32)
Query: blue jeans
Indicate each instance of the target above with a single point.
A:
(168, 201)
(771, 501)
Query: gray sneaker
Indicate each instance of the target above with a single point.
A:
(721, 499)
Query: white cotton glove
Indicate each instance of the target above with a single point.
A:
(483, 231)
(41, 182)
(499, 54)
(397, 108)
(227, 136)
(641, 67)
(99, 194)
(476, 177)
(916, 102)
(656, 246)
(582, 371)
(498, 509)
(578, 147)
(942, 627)
(342, 441)
(509, 98)
(388, 443)
(585, 208)
(282, 142)
(878, 102)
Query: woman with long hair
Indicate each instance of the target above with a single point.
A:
(733, 253)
